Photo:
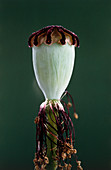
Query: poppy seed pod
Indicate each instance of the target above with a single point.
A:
(53, 52)
(53, 67)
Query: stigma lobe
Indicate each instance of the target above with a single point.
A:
(53, 34)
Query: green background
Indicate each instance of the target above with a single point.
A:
(90, 84)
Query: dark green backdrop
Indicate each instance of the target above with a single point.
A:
(90, 85)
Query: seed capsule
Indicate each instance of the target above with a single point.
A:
(53, 49)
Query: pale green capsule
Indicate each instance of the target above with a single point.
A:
(53, 66)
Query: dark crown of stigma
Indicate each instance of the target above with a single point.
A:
(33, 39)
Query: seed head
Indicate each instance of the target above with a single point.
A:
(53, 52)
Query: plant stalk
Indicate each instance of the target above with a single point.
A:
(51, 139)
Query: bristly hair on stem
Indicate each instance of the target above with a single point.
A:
(54, 124)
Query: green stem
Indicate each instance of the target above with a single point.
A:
(51, 147)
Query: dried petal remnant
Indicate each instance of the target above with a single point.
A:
(53, 34)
